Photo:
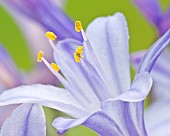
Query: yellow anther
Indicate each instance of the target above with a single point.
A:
(40, 55)
(78, 26)
(77, 57)
(51, 36)
(55, 67)
(78, 53)
(79, 50)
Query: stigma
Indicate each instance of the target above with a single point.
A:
(51, 36)
(78, 53)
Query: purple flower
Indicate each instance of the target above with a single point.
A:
(152, 11)
(98, 91)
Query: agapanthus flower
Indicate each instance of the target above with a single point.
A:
(97, 92)
(154, 13)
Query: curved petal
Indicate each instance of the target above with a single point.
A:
(153, 53)
(109, 40)
(29, 122)
(157, 118)
(74, 72)
(99, 122)
(46, 95)
(139, 89)
(160, 73)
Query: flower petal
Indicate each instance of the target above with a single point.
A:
(128, 116)
(46, 95)
(109, 39)
(99, 122)
(154, 52)
(50, 16)
(157, 118)
(5, 112)
(74, 72)
(30, 122)
(160, 73)
(139, 89)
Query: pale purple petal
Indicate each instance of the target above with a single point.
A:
(74, 72)
(157, 118)
(50, 16)
(5, 112)
(160, 74)
(109, 39)
(139, 89)
(45, 95)
(154, 52)
(99, 122)
(26, 120)
(120, 112)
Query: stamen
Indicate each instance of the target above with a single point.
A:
(95, 77)
(39, 56)
(78, 26)
(65, 83)
(51, 36)
(95, 60)
(55, 67)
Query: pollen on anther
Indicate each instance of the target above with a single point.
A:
(78, 26)
(51, 36)
(79, 50)
(39, 56)
(77, 57)
(55, 67)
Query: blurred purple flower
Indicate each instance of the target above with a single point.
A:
(23, 11)
(98, 92)
(153, 12)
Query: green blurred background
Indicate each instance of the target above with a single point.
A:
(142, 35)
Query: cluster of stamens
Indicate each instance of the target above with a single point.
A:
(40, 55)
(78, 56)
